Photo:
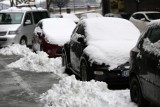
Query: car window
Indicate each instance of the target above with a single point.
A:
(138, 16)
(80, 30)
(154, 35)
(40, 25)
(153, 16)
(39, 15)
(28, 17)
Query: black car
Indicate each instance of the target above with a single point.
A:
(90, 52)
(145, 67)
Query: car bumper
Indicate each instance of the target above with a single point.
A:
(7, 40)
(114, 77)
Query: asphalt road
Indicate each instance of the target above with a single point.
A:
(22, 88)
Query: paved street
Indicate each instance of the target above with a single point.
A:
(22, 88)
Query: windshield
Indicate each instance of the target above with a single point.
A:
(153, 16)
(10, 18)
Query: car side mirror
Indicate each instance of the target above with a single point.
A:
(27, 22)
(144, 19)
(80, 39)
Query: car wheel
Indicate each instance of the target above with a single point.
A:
(86, 73)
(136, 93)
(23, 41)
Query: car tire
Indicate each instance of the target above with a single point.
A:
(136, 93)
(86, 72)
(23, 41)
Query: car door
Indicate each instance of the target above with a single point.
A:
(76, 47)
(28, 27)
(148, 62)
(155, 38)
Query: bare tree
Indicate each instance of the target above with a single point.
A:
(58, 3)
(16, 2)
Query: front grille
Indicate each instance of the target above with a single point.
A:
(2, 33)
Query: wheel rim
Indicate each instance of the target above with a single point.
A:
(135, 92)
(84, 71)
(23, 42)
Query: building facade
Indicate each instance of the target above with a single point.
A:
(129, 6)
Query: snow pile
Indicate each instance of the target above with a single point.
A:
(152, 47)
(39, 63)
(33, 62)
(72, 93)
(15, 49)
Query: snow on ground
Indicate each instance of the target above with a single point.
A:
(33, 62)
(73, 93)
(15, 49)
(69, 92)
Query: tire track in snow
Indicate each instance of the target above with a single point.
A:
(19, 81)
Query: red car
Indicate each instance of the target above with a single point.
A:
(51, 34)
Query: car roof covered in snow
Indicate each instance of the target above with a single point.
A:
(22, 9)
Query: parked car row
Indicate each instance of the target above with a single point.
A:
(100, 48)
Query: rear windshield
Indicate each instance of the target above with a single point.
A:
(10, 18)
(153, 16)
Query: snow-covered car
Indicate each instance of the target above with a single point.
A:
(145, 65)
(67, 16)
(50, 35)
(119, 15)
(90, 15)
(113, 15)
(141, 19)
(99, 49)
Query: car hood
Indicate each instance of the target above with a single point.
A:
(9, 27)
(112, 52)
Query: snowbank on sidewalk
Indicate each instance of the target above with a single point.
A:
(15, 49)
(31, 61)
(73, 93)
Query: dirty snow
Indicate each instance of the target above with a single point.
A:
(73, 93)
(31, 61)
(69, 92)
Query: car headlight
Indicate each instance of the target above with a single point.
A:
(13, 32)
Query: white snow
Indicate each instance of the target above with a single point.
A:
(15, 49)
(69, 92)
(71, 17)
(73, 93)
(57, 30)
(110, 40)
(90, 15)
(152, 47)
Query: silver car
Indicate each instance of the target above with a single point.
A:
(17, 25)
(141, 19)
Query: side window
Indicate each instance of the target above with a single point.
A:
(78, 33)
(28, 19)
(39, 15)
(81, 30)
(45, 15)
(138, 16)
(155, 35)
